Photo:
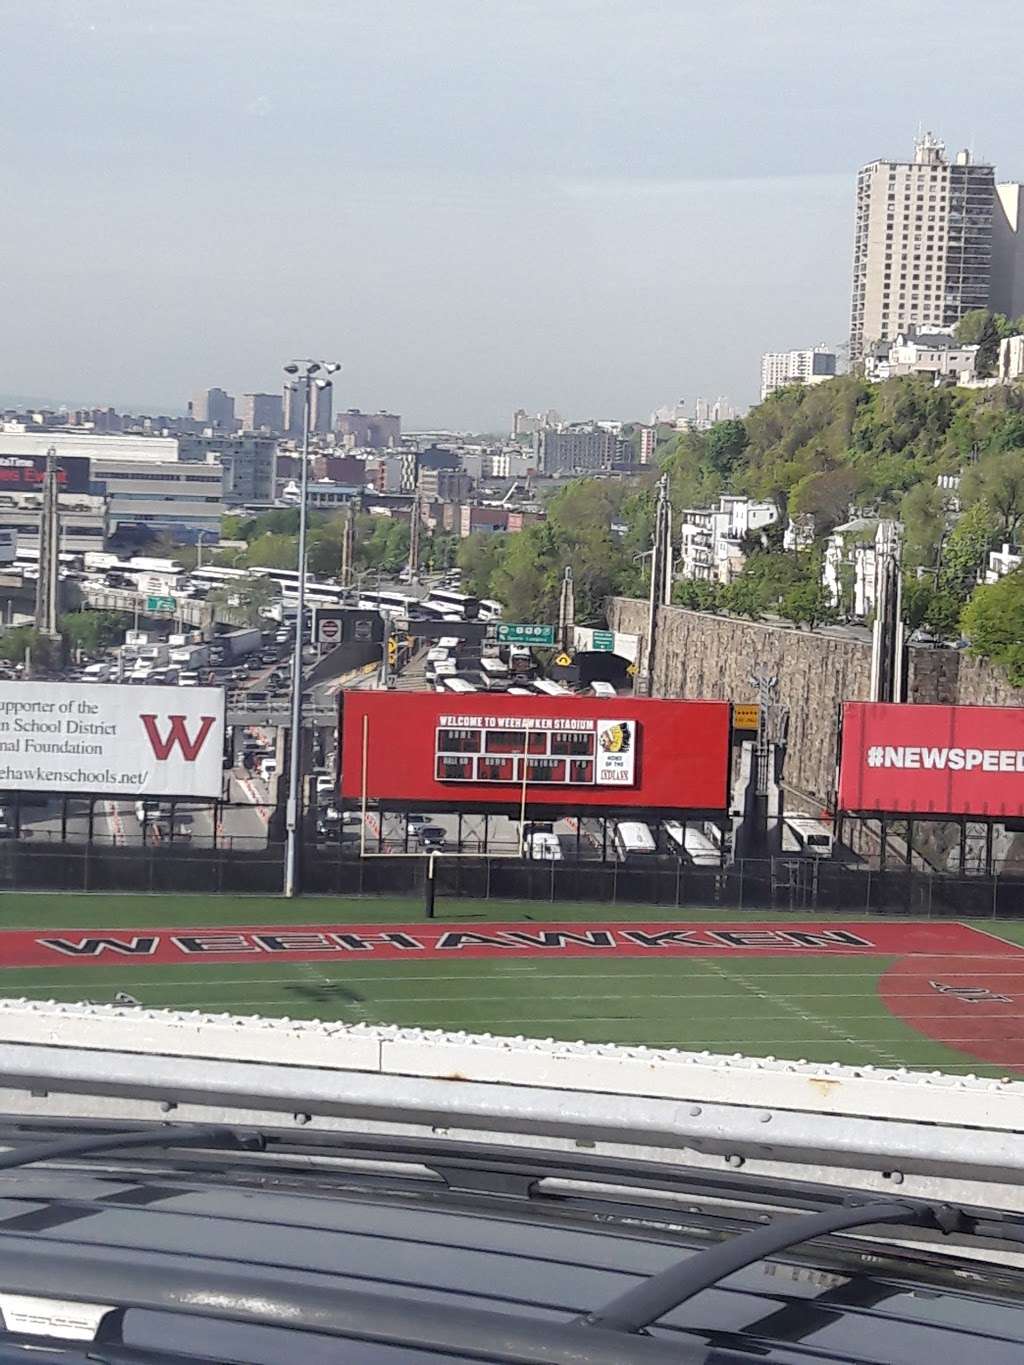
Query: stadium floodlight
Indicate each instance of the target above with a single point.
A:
(306, 370)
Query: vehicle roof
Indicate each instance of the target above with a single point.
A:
(468, 1234)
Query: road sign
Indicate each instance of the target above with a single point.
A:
(328, 630)
(603, 639)
(562, 660)
(746, 716)
(526, 635)
(362, 630)
(160, 603)
(392, 649)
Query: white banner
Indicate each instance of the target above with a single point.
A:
(120, 740)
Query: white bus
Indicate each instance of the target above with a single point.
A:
(459, 605)
(490, 610)
(692, 845)
(804, 834)
(493, 669)
(633, 840)
(550, 689)
(455, 685)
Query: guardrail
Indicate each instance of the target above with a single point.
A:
(201, 614)
(929, 1134)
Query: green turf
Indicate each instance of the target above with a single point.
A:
(821, 1009)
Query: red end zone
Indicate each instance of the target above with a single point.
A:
(396, 942)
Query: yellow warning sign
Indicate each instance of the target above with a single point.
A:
(631, 670)
(562, 660)
(746, 716)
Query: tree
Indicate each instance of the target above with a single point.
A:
(983, 329)
(923, 517)
(93, 630)
(724, 446)
(998, 485)
(479, 556)
(808, 604)
(44, 652)
(964, 553)
(993, 621)
(697, 594)
(826, 496)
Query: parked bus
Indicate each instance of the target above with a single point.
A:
(633, 841)
(455, 685)
(550, 689)
(691, 844)
(460, 605)
(804, 834)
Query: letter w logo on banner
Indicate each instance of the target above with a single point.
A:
(177, 735)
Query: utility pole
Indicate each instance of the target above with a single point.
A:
(566, 611)
(347, 545)
(887, 631)
(48, 586)
(661, 584)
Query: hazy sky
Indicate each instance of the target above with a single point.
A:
(593, 205)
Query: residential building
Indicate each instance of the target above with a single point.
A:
(648, 441)
(409, 467)
(292, 406)
(179, 498)
(494, 517)
(1008, 250)
(711, 538)
(369, 430)
(1003, 561)
(510, 464)
(1011, 359)
(261, 412)
(320, 409)
(249, 463)
(345, 469)
(935, 352)
(528, 424)
(83, 520)
(580, 447)
(213, 408)
(444, 485)
(322, 493)
(848, 567)
(779, 368)
(923, 245)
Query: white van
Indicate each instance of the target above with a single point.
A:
(268, 769)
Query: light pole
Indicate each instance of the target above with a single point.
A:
(199, 545)
(309, 374)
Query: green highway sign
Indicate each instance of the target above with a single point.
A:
(160, 603)
(526, 635)
(603, 639)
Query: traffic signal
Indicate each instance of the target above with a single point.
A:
(392, 650)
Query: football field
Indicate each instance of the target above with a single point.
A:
(936, 994)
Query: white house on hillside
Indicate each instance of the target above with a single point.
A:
(710, 538)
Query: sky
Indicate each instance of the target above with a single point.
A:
(600, 206)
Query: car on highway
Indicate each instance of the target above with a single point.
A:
(431, 838)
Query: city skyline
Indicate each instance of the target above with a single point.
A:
(500, 232)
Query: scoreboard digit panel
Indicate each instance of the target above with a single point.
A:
(576, 752)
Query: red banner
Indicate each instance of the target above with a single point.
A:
(577, 753)
(932, 760)
(263, 944)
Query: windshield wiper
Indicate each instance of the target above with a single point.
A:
(218, 1136)
(646, 1303)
